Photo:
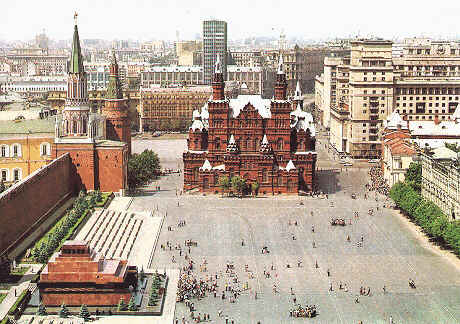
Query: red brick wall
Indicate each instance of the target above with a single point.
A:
(25, 204)
(112, 168)
(82, 158)
(90, 299)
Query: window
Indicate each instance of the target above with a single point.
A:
(4, 151)
(16, 174)
(45, 149)
(4, 175)
(16, 150)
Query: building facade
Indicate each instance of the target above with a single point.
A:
(362, 90)
(33, 86)
(246, 58)
(172, 108)
(441, 180)
(37, 61)
(268, 141)
(25, 146)
(214, 43)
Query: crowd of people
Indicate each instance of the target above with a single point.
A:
(377, 182)
(307, 311)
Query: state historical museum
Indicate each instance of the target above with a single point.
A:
(271, 142)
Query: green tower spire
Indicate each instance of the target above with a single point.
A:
(114, 86)
(76, 60)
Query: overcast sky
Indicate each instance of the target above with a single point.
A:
(160, 19)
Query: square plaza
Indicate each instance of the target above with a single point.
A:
(389, 253)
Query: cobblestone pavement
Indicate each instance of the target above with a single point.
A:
(389, 256)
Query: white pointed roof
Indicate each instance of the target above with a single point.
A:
(261, 105)
(302, 120)
(232, 140)
(281, 65)
(206, 166)
(196, 114)
(197, 125)
(456, 114)
(265, 140)
(395, 120)
(290, 166)
(218, 65)
(298, 92)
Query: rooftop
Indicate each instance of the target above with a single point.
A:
(27, 126)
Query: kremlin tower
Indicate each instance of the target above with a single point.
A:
(116, 109)
(98, 144)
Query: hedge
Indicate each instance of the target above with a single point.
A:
(18, 302)
(427, 215)
(52, 241)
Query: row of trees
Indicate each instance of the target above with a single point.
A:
(238, 185)
(143, 168)
(130, 307)
(426, 214)
(44, 248)
(64, 312)
(155, 290)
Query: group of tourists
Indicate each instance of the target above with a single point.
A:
(307, 311)
(377, 182)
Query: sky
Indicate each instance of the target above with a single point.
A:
(160, 19)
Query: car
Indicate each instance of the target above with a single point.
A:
(348, 164)
(374, 161)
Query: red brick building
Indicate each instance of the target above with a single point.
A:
(271, 142)
(99, 145)
(77, 275)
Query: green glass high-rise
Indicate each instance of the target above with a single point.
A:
(214, 42)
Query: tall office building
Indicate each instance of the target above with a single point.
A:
(214, 42)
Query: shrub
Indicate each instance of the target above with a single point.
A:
(427, 215)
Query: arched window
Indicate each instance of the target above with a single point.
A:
(5, 175)
(45, 149)
(217, 141)
(280, 180)
(256, 144)
(205, 183)
(248, 143)
(279, 144)
(264, 175)
(195, 174)
(74, 127)
(4, 151)
(85, 126)
(17, 174)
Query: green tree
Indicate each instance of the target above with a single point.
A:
(414, 176)
(238, 185)
(132, 304)
(121, 305)
(255, 188)
(224, 184)
(41, 311)
(63, 312)
(142, 168)
(84, 313)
